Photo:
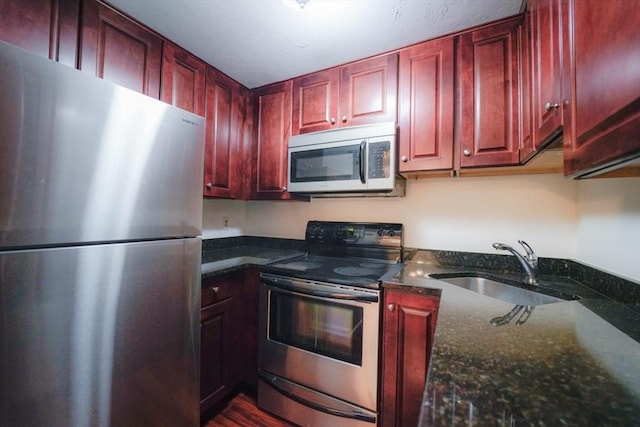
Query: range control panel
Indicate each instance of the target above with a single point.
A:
(354, 233)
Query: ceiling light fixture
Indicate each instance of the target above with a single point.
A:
(302, 3)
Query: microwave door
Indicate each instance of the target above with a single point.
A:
(339, 166)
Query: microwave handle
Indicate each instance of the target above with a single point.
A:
(363, 169)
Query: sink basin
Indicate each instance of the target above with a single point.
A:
(499, 290)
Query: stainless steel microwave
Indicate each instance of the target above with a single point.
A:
(353, 159)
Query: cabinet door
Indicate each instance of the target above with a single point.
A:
(368, 91)
(409, 322)
(47, 28)
(426, 106)
(119, 50)
(215, 352)
(183, 79)
(604, 122)
(315, 101)
(488, 123)
(547, 69)
(525, 42)
(273, 123)
(222, 138)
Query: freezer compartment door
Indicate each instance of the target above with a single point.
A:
(84, 160)
(102, 335)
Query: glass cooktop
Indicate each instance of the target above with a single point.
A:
(345, 271)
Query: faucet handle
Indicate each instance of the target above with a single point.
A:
(531, 256)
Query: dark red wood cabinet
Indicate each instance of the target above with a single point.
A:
(48, 28)
(547, 66)
(488, 96)
(222, 139)
(220, 366)
(120, 50)
(525, 60)
(272, 112)
(602, 122)
(426, 106)
(358, 93)
(183, 79)
(408, 328)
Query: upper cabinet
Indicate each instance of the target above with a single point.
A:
(488, 96)
(547, 64)
(44, 27)
(426, 106)
(120, 50)
(183, 79)
(359, 93)
(603, 119)
(272, 112)
(223, 136)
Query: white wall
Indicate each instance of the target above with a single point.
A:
(593, 221)
(608, 225)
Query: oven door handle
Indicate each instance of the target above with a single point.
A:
(274, 382)
(289, 285)
(363, 168)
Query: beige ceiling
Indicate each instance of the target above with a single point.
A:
(264, 41)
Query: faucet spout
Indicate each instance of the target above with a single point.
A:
(529, 262)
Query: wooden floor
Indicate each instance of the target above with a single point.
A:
(242, 411)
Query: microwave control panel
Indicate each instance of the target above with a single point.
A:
(379, 160)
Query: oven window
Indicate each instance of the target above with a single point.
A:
(330, 329)
(326, 164)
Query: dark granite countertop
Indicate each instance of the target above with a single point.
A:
(571, 363)
(220, 256)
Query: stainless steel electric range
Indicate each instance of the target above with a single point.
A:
(319, 325)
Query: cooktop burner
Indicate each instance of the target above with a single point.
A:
(354, 271)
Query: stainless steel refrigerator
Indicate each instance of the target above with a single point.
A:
(100, 217)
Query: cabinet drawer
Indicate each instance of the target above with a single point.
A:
(215, 289)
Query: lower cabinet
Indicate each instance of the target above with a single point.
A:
(220, 368)
(408, 326)
(228, 335)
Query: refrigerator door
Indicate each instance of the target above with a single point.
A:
(84, 160)
(102, 335)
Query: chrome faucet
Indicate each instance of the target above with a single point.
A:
(529, 262)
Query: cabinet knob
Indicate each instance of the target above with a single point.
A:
(215, 289)
(549, 106)
(284, 188)
(466, 152)
(404, 159)
(209, 185)
(344, 119)
(333, 120)
(391, 307)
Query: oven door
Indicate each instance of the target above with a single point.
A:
(321, 336)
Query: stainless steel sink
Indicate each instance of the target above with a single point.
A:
(499, 290)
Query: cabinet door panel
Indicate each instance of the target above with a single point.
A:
(368, 91)
(222, 135)
(605, 83)
(183, 79)
(48, 28)
(215, 351)
(315, 105)
(547, 49)
(525, 41)
(119, 50)
(489, 96)
(408, 331)
(426, 106)
(273, 112)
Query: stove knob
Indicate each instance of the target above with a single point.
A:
(381, 232)
(392, 233)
